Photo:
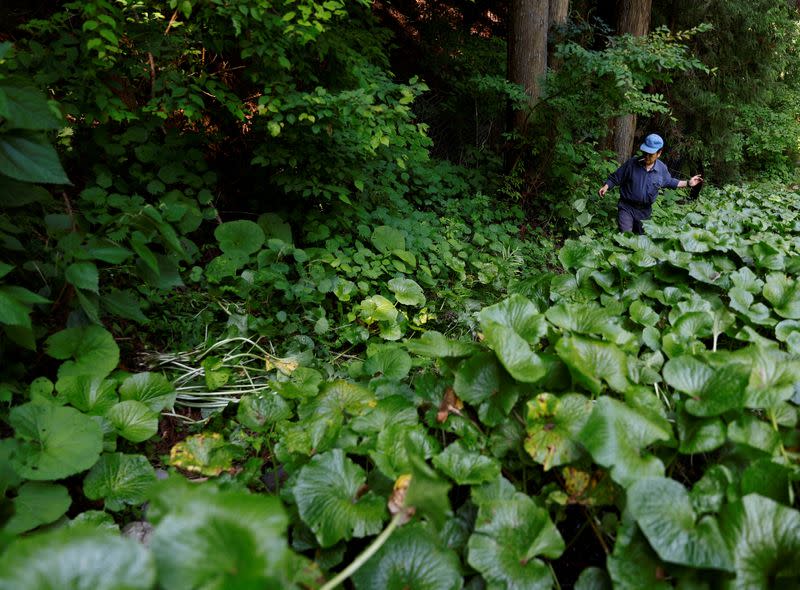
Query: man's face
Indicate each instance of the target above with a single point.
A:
(650, 159)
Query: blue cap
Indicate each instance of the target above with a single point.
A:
(652, 143)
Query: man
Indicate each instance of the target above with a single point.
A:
(639, 180)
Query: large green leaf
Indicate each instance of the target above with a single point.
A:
(205, 538)
(26, 108)
(784, 295)
(120, 479)
(83, 275)
(591, 362)
(511, 328)
(133, 420)
(260, 412)
(466, 467)
(303, 382)
(711, 391)
(152, 389)
(322, 417)
(478, 378)
(239, 238)
(407, 292)
(589, 319)
(553, 426)
(92, 347)
(411, 558)
(700, 435)
(386, 239)
(664, 512)
(763, 536)
(509, 536)
(633, 564)
(55, 441)
(30, 158)
(436, 345)
(427, 492)
(393, 363)
(90, 394)
(616, 436)
(772, 379)
(395, 445)
(76, 558)
(37, 503)
(331, 502)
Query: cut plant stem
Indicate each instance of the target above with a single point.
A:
(364, 556)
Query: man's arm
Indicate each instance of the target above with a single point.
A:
(613, 180)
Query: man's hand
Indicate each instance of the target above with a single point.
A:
(695, 180)
(603, 190)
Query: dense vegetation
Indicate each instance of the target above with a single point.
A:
(283, 299)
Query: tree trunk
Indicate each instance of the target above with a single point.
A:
(633, 18)
(559, 12)
(527, 51)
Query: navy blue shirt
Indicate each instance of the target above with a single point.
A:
(639, 186)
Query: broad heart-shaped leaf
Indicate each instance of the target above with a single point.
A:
(120, 479)
(592, 361)
(55, 441)
(633, 564)
(664, 512)
(480, 378)
(466, 467)
(436, 345)
(79, 557)
(642, 314)
(239, 238)
(330, 501)
(784, 295)
(509, 535)
(386, 239)
(411, 558)
(37, 503)
(206, 538)
(407, 292)
(304, 382)
(615, 435)
(29, 157)
(324, 415)
(772, 379)
(763, 536)
(588, 319)
(553, 427)
(395, 445)
(378, 309)
(510, 328)
(92, 347)
(133, 420)
(518, 314)
(152, 389)
(575, 255)
(700, 435)
(393, 363)
(205, 453)
(90, 394)
(260, 412)
(711, 391)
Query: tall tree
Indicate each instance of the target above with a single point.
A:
(633, 18)
(527, 50)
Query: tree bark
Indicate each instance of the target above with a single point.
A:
(633, 18)
(527, 51)
(559, 12)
